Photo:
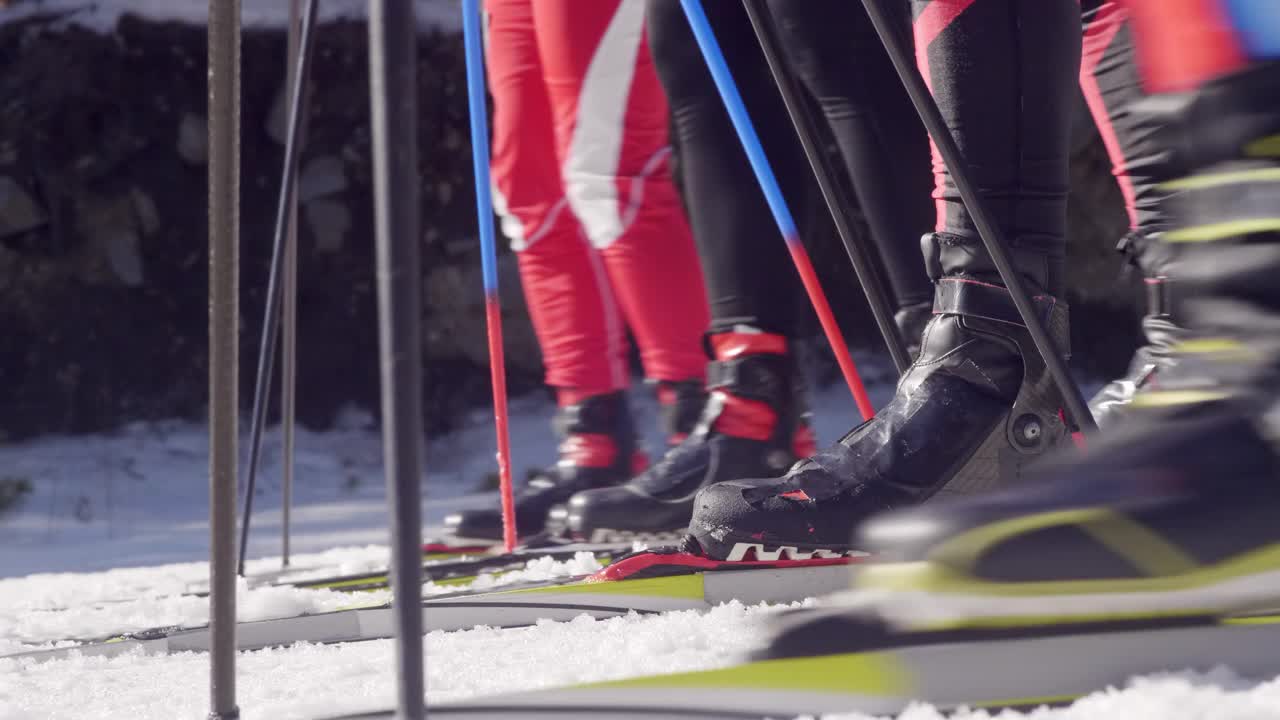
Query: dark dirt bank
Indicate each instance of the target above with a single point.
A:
(103, 228)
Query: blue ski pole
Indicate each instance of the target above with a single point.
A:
(773, 194)
(489, 256)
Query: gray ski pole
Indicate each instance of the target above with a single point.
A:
(394, 99)
(271, 321)
(224, 316)
(289, 353)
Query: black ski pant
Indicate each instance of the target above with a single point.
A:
(841, 62)
(1004, 74)
(1111, 83)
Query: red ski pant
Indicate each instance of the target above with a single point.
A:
(582, 176)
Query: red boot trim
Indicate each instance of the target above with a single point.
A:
(1077, 437)
(435, 547)
(666, 395)
(639, 462)
(658, 564)
(749, 419)
(589, 450)
(727, 346)
(576, 396)
(804, 443)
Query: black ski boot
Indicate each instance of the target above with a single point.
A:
(973, 410)
(681, 405)
(911, 321)
(1178, 513)
(748, 426)
(1153, 258)
(598, 450)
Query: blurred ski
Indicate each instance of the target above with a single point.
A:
(646, 583)
(1008, 668)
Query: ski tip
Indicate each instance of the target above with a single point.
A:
(651, 563)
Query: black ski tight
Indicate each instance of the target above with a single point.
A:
(834, 49)
(1111, 82)
(840, 61)
(1003, 73)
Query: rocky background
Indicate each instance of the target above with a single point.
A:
(103, 231)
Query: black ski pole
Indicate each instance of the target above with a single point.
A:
(838, 201)
(271, 321)
(224, 316)
(289, 353)
(393, 92)
(992, 238)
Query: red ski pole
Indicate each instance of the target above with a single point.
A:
(489, 258)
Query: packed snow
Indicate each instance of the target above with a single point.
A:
(306, 681)
(140, 497)
(36, 628)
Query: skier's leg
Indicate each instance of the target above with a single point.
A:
(752, 417)
(1111, 84)
(611, 124)
(579, 328)
(735, 234)
(1178, 513)
(839, 58)
(977, 404)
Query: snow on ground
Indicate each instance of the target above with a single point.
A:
(139, 496)
(102, 15)
(34, 628)
(307, 681)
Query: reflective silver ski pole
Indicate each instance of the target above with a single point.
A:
(394, 99)
(224, 316)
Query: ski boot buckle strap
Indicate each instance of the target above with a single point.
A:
(975, 298)
(750, 377)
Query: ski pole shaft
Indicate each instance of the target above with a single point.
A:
(838, 201)
(224, 350)
(289, 353)
(773, 194)
(992, 237)
(489, 257)
(393, 94)
(275, 291)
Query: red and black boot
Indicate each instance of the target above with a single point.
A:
(598, 450)
(750, 424)
(971, 414)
